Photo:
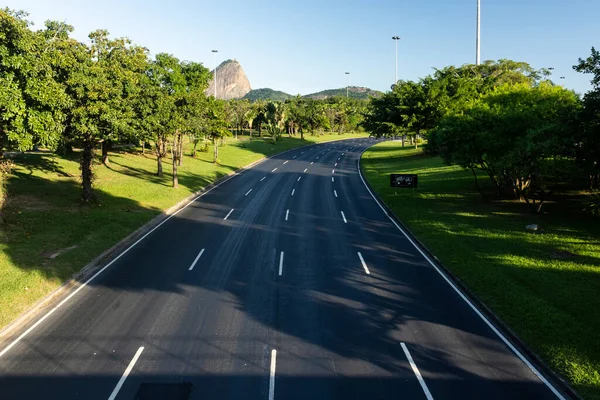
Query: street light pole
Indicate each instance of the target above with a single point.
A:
(396, 38)
(347, 73)
(215, 71)
(478, 40)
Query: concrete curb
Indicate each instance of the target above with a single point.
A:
(45, 304)
(560, 383)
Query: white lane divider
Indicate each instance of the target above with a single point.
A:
(299, 179)
(332, 179)
(248, 192)
(334, 192)
(196, 260)
(362, 261)
(287, 161)
(333, 171)
(281, 263)
(335, 165)
(293, 191)
(312, 162)
(228, 214)
(305, 169)
(294, 156)
(301, 153)
(344, 217)
(416, 371)
(115, 392)
(272, 374)
(317, 158)
(339, 158)
(263, 178)
(287, 213)
(274, 169)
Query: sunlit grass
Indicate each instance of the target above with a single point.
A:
(545, 285)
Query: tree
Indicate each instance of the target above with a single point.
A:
(512, 134)
(239, 109)
(102, 84)
(32, 100)
(216, 124)
(588, 150)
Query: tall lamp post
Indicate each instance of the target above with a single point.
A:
(477, 40)
(215, 71)
(396, 38)
(347, 73)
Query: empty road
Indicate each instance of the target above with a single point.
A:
(288, 281)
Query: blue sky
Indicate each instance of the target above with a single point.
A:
(306, 46)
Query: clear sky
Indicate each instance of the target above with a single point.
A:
(304, 46)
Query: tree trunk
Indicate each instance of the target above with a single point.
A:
(87, 158)
(477, 184)
(175, 180)
(106, 145)
(260, 129)
(402, 140)
(180, 151)
(215, 150)
(301, 134)
(159, 166)
(176, 157)
(143, 147)
(194, 148)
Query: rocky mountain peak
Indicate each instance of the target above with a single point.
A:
(232, 82)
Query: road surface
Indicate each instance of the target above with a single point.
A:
(288, 281)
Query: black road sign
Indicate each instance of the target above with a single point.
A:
(404, 180)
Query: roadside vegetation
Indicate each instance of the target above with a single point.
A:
(508, 196)
(544, 285)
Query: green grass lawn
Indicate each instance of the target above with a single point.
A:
(545, 286)
(44, 213)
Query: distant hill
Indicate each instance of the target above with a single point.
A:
(354, 92)
(266, 94)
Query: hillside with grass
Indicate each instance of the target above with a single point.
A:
(267, 94)
(354, 92)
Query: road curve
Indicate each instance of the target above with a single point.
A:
(286, 282)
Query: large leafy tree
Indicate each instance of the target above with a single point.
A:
(32, 100)
(102, 84)
(512, 134)
(588, 151)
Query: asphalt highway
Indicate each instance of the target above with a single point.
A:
(288, 281)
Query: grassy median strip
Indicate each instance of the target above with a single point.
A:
(49, 235)
(545, 286)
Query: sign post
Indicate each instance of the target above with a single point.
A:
(404, 180)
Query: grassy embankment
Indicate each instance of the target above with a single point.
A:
(44, 213)
(545, 286)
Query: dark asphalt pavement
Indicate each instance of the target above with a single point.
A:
(234, 327)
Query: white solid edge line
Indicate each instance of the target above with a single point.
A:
(299, 179)
(228, 214)
(263, 178)
(344, 217)
(115, 392)
(272, 374)
(364, 264)
(274, 169)
(196, 260)
(293, 191)
(287, 213)
(417, 372)
(334, 192)
(84, 284)
(248, 192)
(286, 161)
(280, 263)
(462, 296)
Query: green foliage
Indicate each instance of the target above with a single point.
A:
(32, 101)
(354, 92)
(511, 134)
